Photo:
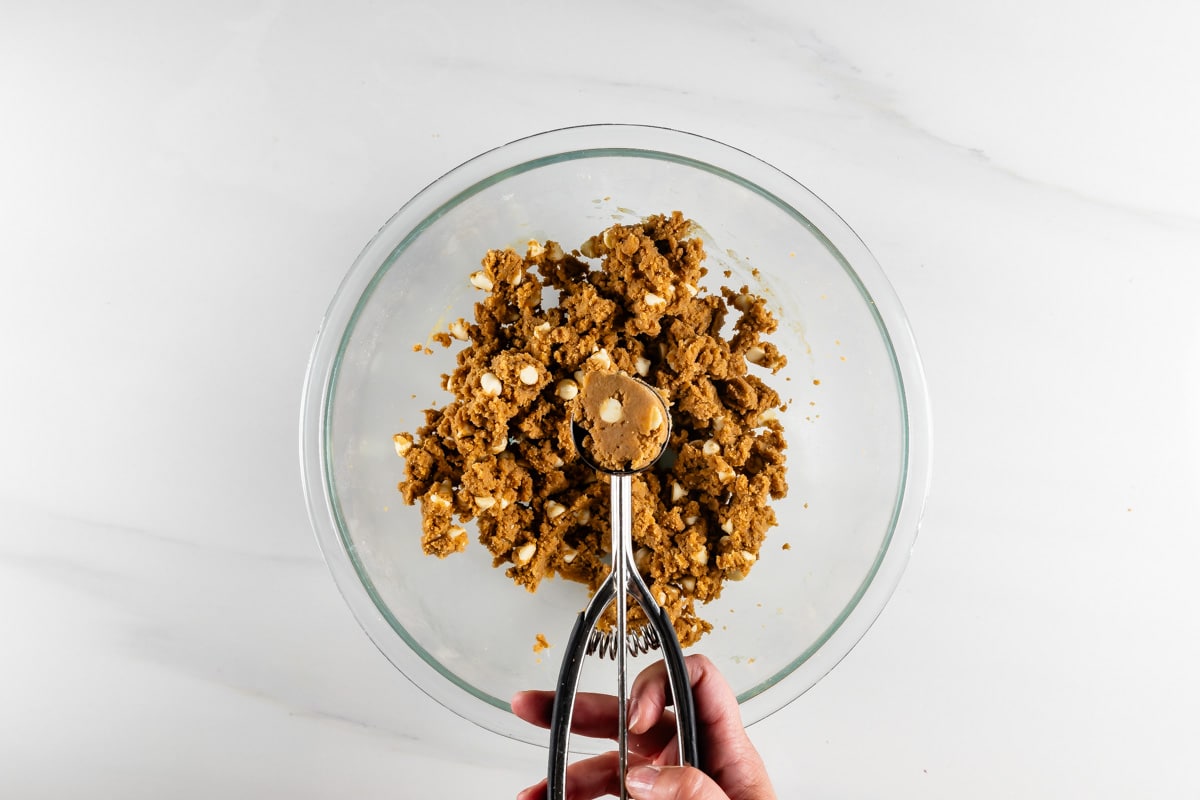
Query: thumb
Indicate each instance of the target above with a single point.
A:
(671, 783)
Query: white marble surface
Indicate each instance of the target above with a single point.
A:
(182, 187)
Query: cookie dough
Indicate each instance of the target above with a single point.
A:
(500, 453)
(625, 420)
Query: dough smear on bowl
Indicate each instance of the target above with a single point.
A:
(500, 453)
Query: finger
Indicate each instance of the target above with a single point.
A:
(533, 706)
(595, 715)
(586, 780)
(727, 753)
(672, 783)
(716, 706)
(536, 792)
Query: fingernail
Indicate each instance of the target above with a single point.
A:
(633, 714)
(641, 779)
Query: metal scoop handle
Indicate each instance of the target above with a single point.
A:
(623, 581)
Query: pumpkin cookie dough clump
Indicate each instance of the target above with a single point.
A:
(624, 420)
(500, 453)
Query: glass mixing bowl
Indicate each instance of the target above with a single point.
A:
(857, 420)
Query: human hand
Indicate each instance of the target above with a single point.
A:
(733, 768)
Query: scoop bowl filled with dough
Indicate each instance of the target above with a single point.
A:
(805, 543)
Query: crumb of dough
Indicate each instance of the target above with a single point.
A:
(416, 348)
(500, 452)
(787, 545)
(540, 643)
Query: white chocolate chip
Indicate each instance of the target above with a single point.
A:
(642, 366)
(639, 558)
(749, 557)
(654, 301)
(567, 389)
(587, 249)
(718, 424)
(485, 503)
(490, 384)
(578, 375)
(725, 472)
(456, 532)
(528, 375)
(735, 575)
(661, 597)
(710, 448)
(701, 555)
(569, 556)
(724, 540)
(601, 359)
(688, 584)
(504, 503)
(768, 415)
(535, 249)
(743, 302)
(755, 355)
(554, 251)
(403, 443)
(500, 446)
(610, 239)
(690, 290)
(458, 329)
(526, 553)
(541, 328)
(556, 462)
(438, 499)
(554, 509)
(655, 420)
(584, 515)
(480, 280)
(690, 519)
(727, 526)
(677, 492)
(611, 410)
